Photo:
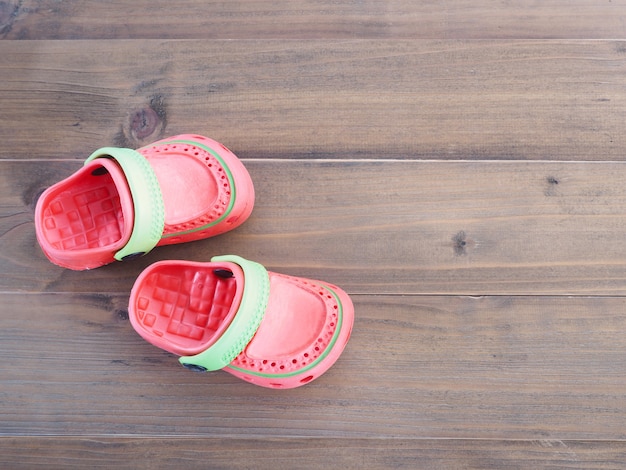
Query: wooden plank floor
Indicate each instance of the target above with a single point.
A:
(458, 167)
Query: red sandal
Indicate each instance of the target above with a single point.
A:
(123, 202)
(269, 329)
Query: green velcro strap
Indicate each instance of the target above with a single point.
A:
(246, 322)
(149, 216)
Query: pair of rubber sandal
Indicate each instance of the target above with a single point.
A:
(269, 329)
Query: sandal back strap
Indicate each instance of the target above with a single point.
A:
(149, 209)
(244, 325)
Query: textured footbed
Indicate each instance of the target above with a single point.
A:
(86, 214)
(184, 309)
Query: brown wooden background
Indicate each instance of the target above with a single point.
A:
(458, 167)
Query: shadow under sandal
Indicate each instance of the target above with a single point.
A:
(123, 202)
(269, 329)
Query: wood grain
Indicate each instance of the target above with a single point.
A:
(495, 367)
(157, 453)
(380, 227)
(347, 19)
(522, 100)
(456, 166)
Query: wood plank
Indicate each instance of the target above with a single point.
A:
(200, 19)
(153, 453)
(416, 367)
(456, 166)
(530, 100)
(404, 227)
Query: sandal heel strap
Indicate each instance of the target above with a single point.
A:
(245, 323)
(149, 209)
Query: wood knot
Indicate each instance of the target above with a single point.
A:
(551, 185)
(461, 243)
(144, 124)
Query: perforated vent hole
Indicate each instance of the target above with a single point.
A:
(306, 379)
